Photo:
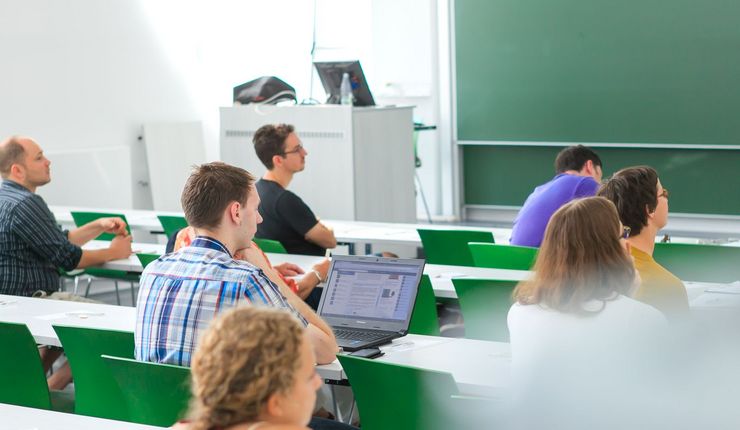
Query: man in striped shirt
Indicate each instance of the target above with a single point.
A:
(182, 292)
(32, 246)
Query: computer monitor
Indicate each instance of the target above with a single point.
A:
(331, 73)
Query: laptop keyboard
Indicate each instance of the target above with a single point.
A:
(344, 333)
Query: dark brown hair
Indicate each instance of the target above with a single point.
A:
(210, 189)
(634, 191)
(574, 157)
(11, 152)
(581, 259)
(269, 141)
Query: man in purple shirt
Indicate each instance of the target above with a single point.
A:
(578, 175)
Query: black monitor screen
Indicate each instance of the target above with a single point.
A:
(331, 73)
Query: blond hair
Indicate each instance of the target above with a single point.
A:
(581, 258)
(247, 355)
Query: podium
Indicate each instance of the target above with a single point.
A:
(360, 162)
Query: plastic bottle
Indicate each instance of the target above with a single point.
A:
(345, 90)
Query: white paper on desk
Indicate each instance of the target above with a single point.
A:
(450, 275)
(402, 344)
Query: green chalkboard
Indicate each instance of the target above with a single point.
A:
(699, 181)
(629, 71)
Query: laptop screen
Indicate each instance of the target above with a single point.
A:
(371, 292)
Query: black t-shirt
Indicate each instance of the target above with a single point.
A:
(285, 218)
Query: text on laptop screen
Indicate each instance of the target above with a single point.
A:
(370, 290)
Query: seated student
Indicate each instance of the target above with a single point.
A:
(578, 174)
(287, 218)
(580, 296)
(642, 203)
(181, 292)
(305, 287)
(254, 368)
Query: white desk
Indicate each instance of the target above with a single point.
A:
(22, 418)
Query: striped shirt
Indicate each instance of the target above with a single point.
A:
(32, 246)
(180, 293)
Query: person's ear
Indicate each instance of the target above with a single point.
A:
(234, 213)
(277, 160)
(18, 171)
(275, 405)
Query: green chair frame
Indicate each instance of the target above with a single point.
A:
(424, 319)
(269, 245)
(155, 394)
(24, 382)
(172, 224)
(699, 262)
(96, 392)
(451, 246)
(391, 396)
(485, 306)
(497, 256)
(145, 259)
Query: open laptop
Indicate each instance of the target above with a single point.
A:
(368, 301)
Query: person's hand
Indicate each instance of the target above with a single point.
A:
(288, 269)
(113, 225)
(322, 268)
(120, 246)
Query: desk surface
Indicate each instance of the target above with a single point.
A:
(20, 417)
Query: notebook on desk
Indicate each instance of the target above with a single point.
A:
(368, 301)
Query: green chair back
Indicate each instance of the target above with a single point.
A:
(96, 392)
(171, 224)
(82, 218)
(269, 245)
(23, 382)
(155, 394)
(145, 259)
(693, 262)
(391, 396)
(496, 256)
(424, 320)
(485, 304)
(451, 246)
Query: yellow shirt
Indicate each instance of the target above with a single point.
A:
(659, 287)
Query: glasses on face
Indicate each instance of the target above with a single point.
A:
(626, 230)
(295, 150)
(664, 194)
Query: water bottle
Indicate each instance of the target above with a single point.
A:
(345, 90)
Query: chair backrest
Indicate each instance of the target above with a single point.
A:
(425, 320)
(145, 259)
(693, 262)
(172, 224)
(391, 396)
(496, 256)
(155, 394)
(485, 304)
(23, 381)
(269, 245)
(96, 392)
(451, 246)
(82, 218)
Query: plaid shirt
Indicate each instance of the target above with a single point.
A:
(32, 246)
(182, 292)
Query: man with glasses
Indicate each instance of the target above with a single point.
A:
(642, 203)
(286, 217)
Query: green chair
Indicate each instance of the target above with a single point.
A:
(96, 392)
(269, 245)
(391, 396)
(171, 224)
(485, 305)
(424, 320)
(496, 256)
(145, 259)
(155, 394)
(451, 246)
(693, 262)
(24, 382)
(82, 218)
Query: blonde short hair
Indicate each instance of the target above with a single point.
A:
(247, 355)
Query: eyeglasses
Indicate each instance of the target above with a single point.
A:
(295, 150)
(626, 230)
(664, 194)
